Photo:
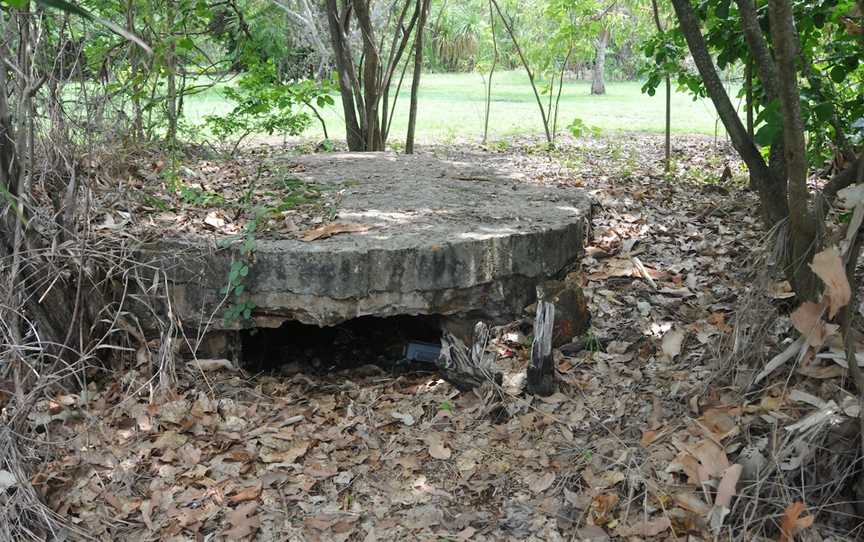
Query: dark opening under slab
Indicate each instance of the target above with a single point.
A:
(297, 347)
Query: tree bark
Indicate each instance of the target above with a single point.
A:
(598, 86)
(764, 63)
(171, 98)
(423, 6)
(668, 142)
(771, 188)
(371, 65)
(804, 228)
(527, 67)
(491, 73)
(345, 67)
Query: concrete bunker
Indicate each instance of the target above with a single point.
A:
(423, 237)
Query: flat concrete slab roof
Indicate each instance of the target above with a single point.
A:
(435, 236)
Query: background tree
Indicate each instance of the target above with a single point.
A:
(365, 76)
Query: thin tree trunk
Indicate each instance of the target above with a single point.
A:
(344, 66)
(598, 86)
(748, 90)
(527, 70)
(171, 98)
(560, 90)
(423, 6)
(371, 84)
(668, 143)
(804, 229)
(491, 73)
(771, 191)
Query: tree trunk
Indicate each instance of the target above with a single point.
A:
(171, 98)
(491, 73)
(365, 96)
(772, 189)
(509, 28)
(423, 6)
(668, 143)
(804, 229)
(344, 67)
(598, 86)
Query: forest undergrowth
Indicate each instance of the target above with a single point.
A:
(662, 427)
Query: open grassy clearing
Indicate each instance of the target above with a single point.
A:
(452, 105)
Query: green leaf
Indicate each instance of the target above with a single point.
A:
(838, 74)
(766, 134)
(823, 111)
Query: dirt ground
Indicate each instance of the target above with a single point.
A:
(657, 430)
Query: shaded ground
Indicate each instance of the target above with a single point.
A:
(633, 446)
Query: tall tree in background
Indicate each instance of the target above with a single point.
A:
(365, 77)
(598, 84)
(423, 6)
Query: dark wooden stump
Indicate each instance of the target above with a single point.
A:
(541, 371)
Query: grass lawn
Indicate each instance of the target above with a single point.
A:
(451, 107)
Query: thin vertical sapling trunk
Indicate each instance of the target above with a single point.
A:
(491, 73)
(527, 67)
(560, 89)
(171, 65)
(423, 6)
(668, 142)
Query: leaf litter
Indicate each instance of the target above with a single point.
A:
(637, 444)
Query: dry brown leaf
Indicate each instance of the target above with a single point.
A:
(793, 522)
(711, 457)
(718, 319)
(807, 319)
(320, 470)
(726, 489)
(246, 494)
(782, 290)
(335, 228)
(213, 364)
(243, 521)
(692, 503)
(828, 266)
(645, 528)
(214, 220)
(602, 505)
(649, 437)
(541, 482)
(437, 449)
(719, 423)
(672, 342)
(409, 462)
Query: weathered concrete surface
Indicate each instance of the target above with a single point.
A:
(445, 238)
